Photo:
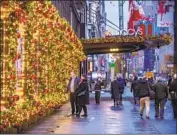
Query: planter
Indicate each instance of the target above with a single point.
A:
(9, 131)
(19, 128)
(24, 125)
(33, 119)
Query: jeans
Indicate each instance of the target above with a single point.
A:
(160, 103)
(145, 102)
(97, 97)
(73, 101)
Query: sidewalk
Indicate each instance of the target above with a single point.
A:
(107, 119)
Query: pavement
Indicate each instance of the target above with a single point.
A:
(107, 119)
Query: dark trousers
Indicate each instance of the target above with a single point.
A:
(80, 109)
(97, 97)
(73, 101)
(160, 103)
(116, 102)
(174, 105)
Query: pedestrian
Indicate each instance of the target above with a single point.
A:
(173, 93)
(82, 93)
(134, 88)
(161, 95)
(71, 88)
(98, 90)
(169, 80)
(144, 96)
(115, 92)
(122, 83)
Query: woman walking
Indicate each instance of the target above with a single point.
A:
(82, 93)
(115, 95)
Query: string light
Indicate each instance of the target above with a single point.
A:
(47, 60)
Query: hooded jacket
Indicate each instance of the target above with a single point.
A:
(143, 89)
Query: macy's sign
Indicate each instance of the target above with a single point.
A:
(131, 32)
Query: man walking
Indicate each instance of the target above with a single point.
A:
(173, 93)
(72, 86)
(98, 90)
(144, 95)
(115, 95)
(134, 88)
(161, 95)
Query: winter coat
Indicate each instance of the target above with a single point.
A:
(115, 90)
(76, 84)
(84, 99)
(161, 90)
(122, 83)
(143, 89)
(173, 86)
(134, 88)
(98, 86)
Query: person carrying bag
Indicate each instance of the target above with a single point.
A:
(82, 94)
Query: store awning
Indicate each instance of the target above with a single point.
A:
(121, 44)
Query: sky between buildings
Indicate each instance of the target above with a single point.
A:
(112, 11)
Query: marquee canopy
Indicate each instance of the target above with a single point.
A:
(121, 44)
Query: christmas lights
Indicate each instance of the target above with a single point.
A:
(47, 50)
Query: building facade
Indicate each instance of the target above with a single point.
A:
(151, 20)
(75, 13)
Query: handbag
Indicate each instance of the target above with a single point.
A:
(173, 95)
(82, 93)
(151, 93)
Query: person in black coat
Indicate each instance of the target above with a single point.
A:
(82, 94)
(122, 83)
(134, 88)
(115, 95)
(161, 95)
(98, 91)
(144, 96)
(169, 80)
(173, 90)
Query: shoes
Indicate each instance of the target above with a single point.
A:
(156, 116)
(141, 114)
(135, 102)
(161, 117)
(147, 117)
(73, 114)
(78, 115)
(84, 115)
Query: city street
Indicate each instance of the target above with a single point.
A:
(106, 119)
(59, 54)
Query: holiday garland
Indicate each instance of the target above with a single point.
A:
(128, 39)
(51, 51)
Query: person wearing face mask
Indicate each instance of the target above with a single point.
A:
(173, 93)
(71, 88)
